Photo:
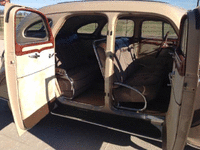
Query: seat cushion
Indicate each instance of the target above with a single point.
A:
(77, 80)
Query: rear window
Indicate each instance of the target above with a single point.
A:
(88, 29)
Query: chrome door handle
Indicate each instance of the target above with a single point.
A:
(171, 75)
(34, 56)
(51, 55)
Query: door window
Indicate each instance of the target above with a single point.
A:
(30, 28)
(157, 29)
(183, 44)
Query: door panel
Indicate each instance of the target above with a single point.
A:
(29, 64)
(184, 85)
(37, 64)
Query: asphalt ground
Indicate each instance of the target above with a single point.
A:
(64, 134)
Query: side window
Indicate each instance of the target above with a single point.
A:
(152, 29)
(37, 27)
(104, 30)
(88, 29)
(125, 28)
(172, 33)
(30, 28)
(183, 44)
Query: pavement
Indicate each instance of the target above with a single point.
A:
(64, 134)
(1, 46)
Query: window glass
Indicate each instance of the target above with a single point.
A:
(183, 45)
(172, 33)
(104, 30)
(30, 28)
(152, 29)
(88, 29)
(36, 30)
(125, 28)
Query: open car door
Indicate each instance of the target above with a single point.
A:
(29, 64)
(184, 83)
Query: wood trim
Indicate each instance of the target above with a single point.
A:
(180, 60)
(19, 48)
(180, 63)
(158, 41)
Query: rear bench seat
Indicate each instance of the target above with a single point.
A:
(135, 82)
(75, 71)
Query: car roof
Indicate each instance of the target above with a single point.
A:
(110, 0)
(154, 8)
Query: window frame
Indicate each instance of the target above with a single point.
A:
(22, 28)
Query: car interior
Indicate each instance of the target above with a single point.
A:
(142, 62)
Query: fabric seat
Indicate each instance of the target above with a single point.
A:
(75, 72)
(131, 73)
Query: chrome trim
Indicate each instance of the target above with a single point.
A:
(191, 145)
(66, 101)
(6, 100)
(107, 127)
(132, 88)
(72, 85)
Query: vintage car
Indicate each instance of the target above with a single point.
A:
(132, 59)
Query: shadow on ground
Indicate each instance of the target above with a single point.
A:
(61, 133)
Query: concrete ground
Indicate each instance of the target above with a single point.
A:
(61, 133)
(1, 48)
(64, 134)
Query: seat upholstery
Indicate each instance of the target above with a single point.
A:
(75, 71)
(129, 71)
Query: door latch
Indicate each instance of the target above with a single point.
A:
(34, 56)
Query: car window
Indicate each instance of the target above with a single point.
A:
(183, 45)
(154, 29)
(172, 33)
(104, 30)
(88, 29)
(125, 28)
(30, 28)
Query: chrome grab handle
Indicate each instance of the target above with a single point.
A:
(34, 56)
(132, 88)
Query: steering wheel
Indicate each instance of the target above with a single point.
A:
(163, 44)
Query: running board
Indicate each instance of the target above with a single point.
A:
(107, 127)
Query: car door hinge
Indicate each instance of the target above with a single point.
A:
(190, 83)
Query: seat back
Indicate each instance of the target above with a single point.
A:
(123, 58)
(68, 52)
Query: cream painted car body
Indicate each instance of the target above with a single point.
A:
(35, 82)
